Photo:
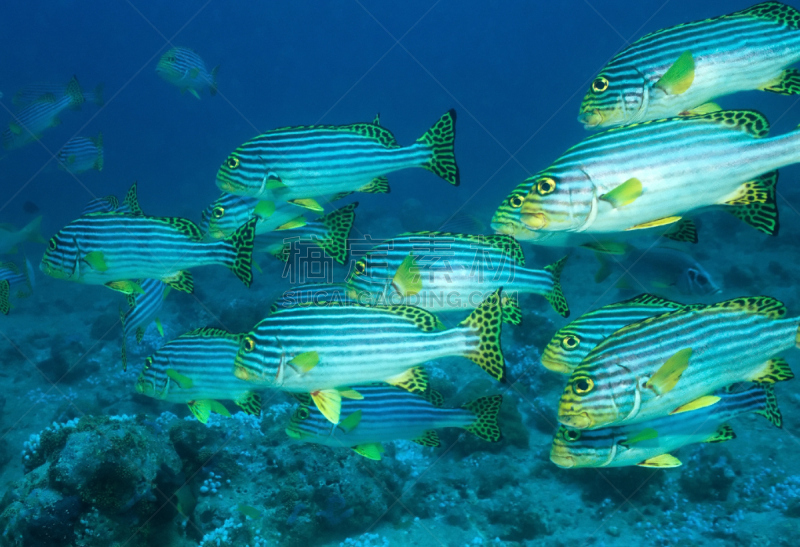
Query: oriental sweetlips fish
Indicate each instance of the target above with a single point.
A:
(678, 70)
(324, 350)
(672, 362)
(185, 69)
(647, 444)
(572, 343)
(144, 307)
(387, 413)
(82, 154)
(653, 173)
(114, 249)
(441, 271)
(195, 369)
(297, 164)
(31, 120)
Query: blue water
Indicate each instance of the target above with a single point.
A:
(515, 72)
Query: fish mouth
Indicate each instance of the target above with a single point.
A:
(578, 420)
(591, 118)
(242, 373)
(561, 460)
(534, 221)
(555, 365)
(227, 186)
(503, 228)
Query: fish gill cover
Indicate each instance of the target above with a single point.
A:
(479, 274)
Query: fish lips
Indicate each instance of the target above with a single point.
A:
(576, 420)
(590, 119)
(561, 458)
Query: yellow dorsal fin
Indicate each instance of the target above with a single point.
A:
(702, 402)
(329, 403)
(679, 77)
(407, 281)
(663, 461)
(670, 372)
(624, 194)
(304, 362)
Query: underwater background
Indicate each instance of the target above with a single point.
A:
(88, 462)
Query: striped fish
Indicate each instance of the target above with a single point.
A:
(195, 369)
(31, 93)
(388, 413)
(572, 343)
(30, 121)
(81, 154)
(185, 69)
(20, 279)
(651, 174)
(113, 249)
(330, 232)
(110, 204)
(673, 71)
(314, 294)
(323, 350)
(297, 164)
(5, 293)
(143, 308)
(440, 271)
(648, 444)
(670, 363)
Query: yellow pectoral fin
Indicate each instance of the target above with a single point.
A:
(407, 281)
(274, 182)
(654, 223)
(670, 372)
(219, 408)
(351, 422)
(308, 203)
(184, 382)
(264, 209)
(702, 402)
(304, 362)
(351, 394)
(679, 77)
(329, 403)
(643, 435)
(663, 461)
(370, 451)
(624, 194)
(96, 260)
(159, 327)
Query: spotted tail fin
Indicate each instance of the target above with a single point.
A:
(486, 410)
(556, 296)
(441, 140)
(242, 241)
(486, 322)
(338, 224)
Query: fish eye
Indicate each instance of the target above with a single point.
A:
(232, 162)
(148, 363)
(583, 385)
(218, 212)
(52, 245)
(302, 413)
(361, 267)
(571, 435)
(545, 186)
(249, 344)
(515, 201)
(599, 84)
(570, 342)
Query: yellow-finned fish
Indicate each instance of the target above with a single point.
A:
(185, 69)
(673, 362)
(680, 70)
(648, 444)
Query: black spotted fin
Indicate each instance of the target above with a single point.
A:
(512, 313)
(338, 224)
(771, 411)
(679, 77)
(440, 139)
(430, 438)
(181, 281)
(414, 380)
(775, 370)
(685, 231)
(556, 296)
(250, 402)
(786, 83)
(670, 372)
(722, 434)
(486, 410)
(486, 324)
(755, 203)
